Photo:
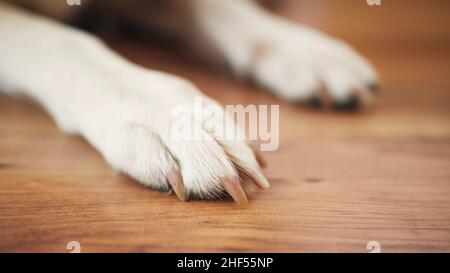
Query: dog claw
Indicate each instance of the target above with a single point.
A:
(374, 87)
(315, 102)
(257, 178)
(176, 181)
(235, 190)
(260, 159)
(351, 104)
(258, 156)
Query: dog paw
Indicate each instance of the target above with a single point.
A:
(294, 62)
(138, 134)
(303, 65)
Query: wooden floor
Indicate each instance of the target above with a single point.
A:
(339, 180)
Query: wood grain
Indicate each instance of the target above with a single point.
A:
(338, 180)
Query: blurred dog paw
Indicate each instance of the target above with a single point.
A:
(304, 65)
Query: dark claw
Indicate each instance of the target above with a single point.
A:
(352, 104)
(315, 102)
(374, 87)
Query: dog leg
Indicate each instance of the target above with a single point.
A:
(291, 60)
(123, 110)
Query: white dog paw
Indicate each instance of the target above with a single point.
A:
(137, 135)
(294, 62)
(300, 64)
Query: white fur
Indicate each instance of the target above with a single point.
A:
(296, 60)
(123, 110)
